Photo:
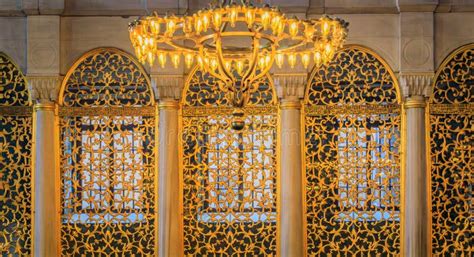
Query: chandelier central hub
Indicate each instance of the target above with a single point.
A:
(236, 43)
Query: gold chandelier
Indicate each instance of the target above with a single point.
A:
(236, 43)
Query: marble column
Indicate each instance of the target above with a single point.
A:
(416, 191)
(291, 239)
(168, 90)
(46, 212)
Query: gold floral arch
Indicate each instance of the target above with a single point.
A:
(108, 157)
(16, 162)
(229, 178)
(121, 69)
(352, 161)
(451, 123)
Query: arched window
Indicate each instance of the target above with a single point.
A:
(452, 160)
(108, 158)
(16, 127)
(229, 176)
(352, 158)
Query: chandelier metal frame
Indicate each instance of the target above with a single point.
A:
(213, 38)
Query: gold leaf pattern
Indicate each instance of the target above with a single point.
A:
(352, 158)
(108, 158)
(16, 126)
(229, 177)
(452, 159)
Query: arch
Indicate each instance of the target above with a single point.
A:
(16, 165)
(126, 83)
(334, 71)
(108, 157)
(14, 91)
(199, 90)
(453, 88)
(219, 163)
(451, 135)
(352, 162)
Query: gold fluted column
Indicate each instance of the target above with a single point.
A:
(416, 213)
(46, 216)
(168, 90)
(291, 241)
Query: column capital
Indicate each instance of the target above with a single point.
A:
(44, 89)
(167, 86)
(416, 84)
(290, 86)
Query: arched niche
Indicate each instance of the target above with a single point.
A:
(229, 177)
(451, 123)
(108, 157)
(16, 167)
(352, 161)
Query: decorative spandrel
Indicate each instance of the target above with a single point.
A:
(106, 77)
(16, 143)
(229, 177)
(352, 158)
(108, 160)
(452, 162)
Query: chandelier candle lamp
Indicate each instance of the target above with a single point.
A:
(237, 43)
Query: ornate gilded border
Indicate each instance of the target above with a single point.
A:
(206, 111)
(107, 111)
(452, 109)
(16, 110)
(321, 110)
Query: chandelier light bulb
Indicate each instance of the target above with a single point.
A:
(265, 19)
(175, 58)
(205, 21)
(305, 59)
(217, 20)
(188, 60)
(317, 59)
(170, 27)
(250, 17)
(293, 29)
(200, 62)
(279, 60)
(233, 16)
(239, 66)
(162, 59)
(292, 60)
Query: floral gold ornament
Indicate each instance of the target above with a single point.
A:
(352, 127)
(237, 43)
(16, 162)
(451, 123)
(108, 158)
(229, 178)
